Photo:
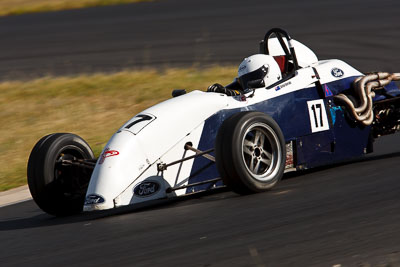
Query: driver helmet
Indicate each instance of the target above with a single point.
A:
(257, 67)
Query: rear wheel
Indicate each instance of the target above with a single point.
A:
(59, 189)
(250, 152)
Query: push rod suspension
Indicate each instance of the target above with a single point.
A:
(170, 189)
(199, 152)
(79, 163)
(163, 166)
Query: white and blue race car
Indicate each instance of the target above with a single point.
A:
(314, 113)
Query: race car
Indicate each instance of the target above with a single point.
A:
(286, 111)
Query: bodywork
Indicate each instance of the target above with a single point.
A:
(316, 131)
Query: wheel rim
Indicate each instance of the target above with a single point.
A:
(261, 152)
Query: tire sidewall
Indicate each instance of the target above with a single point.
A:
(45, 190)
(64, 143)
(229, 151)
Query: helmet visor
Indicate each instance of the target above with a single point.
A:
(257, 74)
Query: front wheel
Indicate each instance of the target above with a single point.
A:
(59, 189)
(250, 152)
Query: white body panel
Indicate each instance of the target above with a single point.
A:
(326, 67)
(175, 120)
(305, 56)
(158, 135)
(117, 172)
(177, 117)
(175, 175)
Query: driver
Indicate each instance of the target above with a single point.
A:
(255, 71)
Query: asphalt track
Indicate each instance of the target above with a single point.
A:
(169, 33)
(344, 214)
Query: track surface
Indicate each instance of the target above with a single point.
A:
(345, 214)
(181, 33)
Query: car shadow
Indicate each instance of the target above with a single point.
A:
(44, 220)
(366, 158)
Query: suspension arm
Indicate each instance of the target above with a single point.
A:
(88, 164)
(163, 166)
(170, 189)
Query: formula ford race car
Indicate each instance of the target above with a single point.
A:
(316, 113)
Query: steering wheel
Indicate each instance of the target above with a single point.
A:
(289, 53)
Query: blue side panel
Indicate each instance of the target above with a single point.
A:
(314, 150)
(392, 89)
(290, 111)
(339, 86)
(345, 139)
(204, 169)
(351, 139)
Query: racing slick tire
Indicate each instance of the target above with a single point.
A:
(250, 152)
(58, 189)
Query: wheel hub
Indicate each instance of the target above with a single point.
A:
(257, 152)
(260, 151)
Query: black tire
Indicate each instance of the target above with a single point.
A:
(250, 152)
(59, 190)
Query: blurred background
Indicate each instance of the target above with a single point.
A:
(87, 66)
(176, 33)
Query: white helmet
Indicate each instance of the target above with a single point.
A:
(259, 67)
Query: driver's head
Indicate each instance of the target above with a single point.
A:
(259, 67)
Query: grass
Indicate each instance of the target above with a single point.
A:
(17, 7)
(92, 106)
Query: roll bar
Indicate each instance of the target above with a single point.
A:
(289, 52)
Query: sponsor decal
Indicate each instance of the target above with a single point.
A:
(279, 87)
(107, 153)
(146, 189)
(327, 91)
(336, 72)
(94, 199)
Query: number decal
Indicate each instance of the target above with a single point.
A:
(140, 118)
(137, 123)
(318, 117)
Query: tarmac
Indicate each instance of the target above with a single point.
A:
(15, 195)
